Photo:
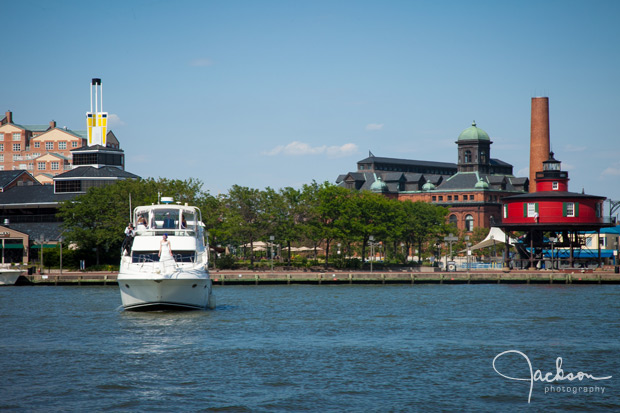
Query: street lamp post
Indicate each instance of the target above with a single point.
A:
(271, 238)
(468, 250)
(371, 242)
(41, 241)
(552, 240)
(450, 239)
(60, 241)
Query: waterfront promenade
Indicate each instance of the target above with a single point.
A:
(231, 277)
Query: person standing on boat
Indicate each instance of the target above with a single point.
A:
(128, 241)
(165, 252)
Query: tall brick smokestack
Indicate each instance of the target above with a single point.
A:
(539, 138)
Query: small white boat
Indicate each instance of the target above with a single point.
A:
(180, 283)
(9, 276)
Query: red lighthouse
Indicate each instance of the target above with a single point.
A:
(550, 211)
(552, 207)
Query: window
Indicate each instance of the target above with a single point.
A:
(599, 210)
(555, 186)
(62, 145)
(449, 197)
(589, 242)
(434, 198)
(1, 137)
(55, 165)
(17, 157)
(467, 156)
(456, 197)
(440, 198)
(483, 157)
(17, 136)
(1, 158)
(531, 210)
(49, 146)
(74, 144)
(469, 223)
(452, 220)
(17, 147)
(571, 209)
(1, 147)
(505, 210)
(31, 165)
(37, 144)
(41, 166)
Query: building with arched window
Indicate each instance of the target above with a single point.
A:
(472, 188)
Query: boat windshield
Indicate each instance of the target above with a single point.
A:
(158, 220)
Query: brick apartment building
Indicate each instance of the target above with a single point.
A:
(42, 150)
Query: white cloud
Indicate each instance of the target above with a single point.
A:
(374, 126)
(297, 148)
(612, 171)
(114, 120)
(201, 62)
(344, 150)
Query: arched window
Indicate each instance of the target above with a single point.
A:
(467, 156)
(452, 220)
(469, 223)
(483, 157)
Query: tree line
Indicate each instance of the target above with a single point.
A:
(316, 215)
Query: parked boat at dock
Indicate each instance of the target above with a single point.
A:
(9, 276)
(182, 281)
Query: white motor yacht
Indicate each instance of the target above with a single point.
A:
(179, 283)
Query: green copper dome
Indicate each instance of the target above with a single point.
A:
(481, 185)
(378, 185)
(473, 133)
(428, 186)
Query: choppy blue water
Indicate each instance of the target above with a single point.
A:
(311, 348)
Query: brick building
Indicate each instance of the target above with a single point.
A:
(472, 188)
(43, 150)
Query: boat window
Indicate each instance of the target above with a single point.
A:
(165, 219)
(188, 220)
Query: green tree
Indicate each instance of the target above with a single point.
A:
(242, 216)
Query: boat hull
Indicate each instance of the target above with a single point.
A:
(177, 291)
(9, 277)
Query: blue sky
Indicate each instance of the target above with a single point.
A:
(280, 93)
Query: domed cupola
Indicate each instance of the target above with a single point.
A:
(481, 185)
(428, 186)
(474, 150)
(474, 133)
(378, 185)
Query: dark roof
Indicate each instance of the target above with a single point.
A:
(92, 172)
(396, 161)
(96, 148)
(468, 180)
(51, 231)
(497, 162)
(552, 194)
(7, 177)
(42, 195)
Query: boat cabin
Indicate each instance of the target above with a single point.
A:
(175, 220)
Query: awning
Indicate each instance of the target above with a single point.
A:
(495, 236)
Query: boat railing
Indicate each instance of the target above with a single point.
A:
(154, 232)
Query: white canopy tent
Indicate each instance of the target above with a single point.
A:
(495, 236)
